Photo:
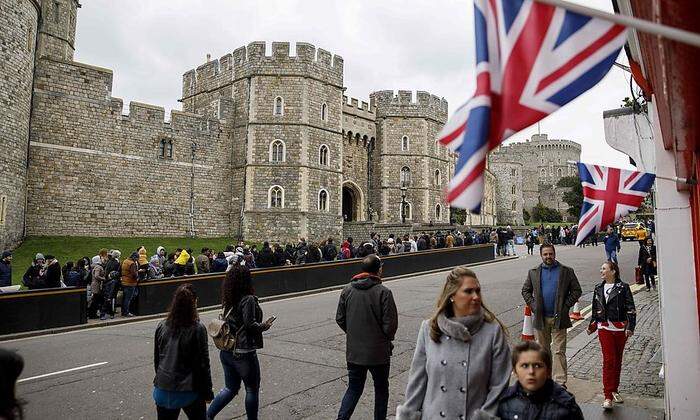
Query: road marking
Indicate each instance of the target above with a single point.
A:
(62, 371)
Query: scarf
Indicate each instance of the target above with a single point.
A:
(461, 328)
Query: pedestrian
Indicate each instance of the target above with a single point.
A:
(314, 254)
(461, 364)
(614, 316)
(181, 262)
(244, 316)
(367, 314)
(142, 264)
(169, 266)
(535, 396)
(266, 257)
(202, 261)
(612, 245)
(510, 241)
(330, 252)
(33, 277)
(550, 290)
(220, 264)
(11, 366)
(155, 271)
(647, 263)
(6, 269)
(530, 242)
(278, 256)
(96, 286)
(181, 360)
(110, 286)
(52, 272)
(129, 270)
(345, 251)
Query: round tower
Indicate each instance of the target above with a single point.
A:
(293, 137)
(20, 21)
(57, 33)
(408, 161)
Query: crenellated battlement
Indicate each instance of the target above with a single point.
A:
(253, 60)
(387, 103)
(141, 114)
(357, 108)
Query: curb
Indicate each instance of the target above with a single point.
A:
(581, 340)
(121, 321)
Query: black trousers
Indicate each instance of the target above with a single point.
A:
(195, 411)
(357, 375)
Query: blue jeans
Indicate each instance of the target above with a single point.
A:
(130, 292)
(243, 367)
(510, 247)
(612, 255)
(357, 375)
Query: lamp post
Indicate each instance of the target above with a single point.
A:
(403, 204)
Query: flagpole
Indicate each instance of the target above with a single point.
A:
(680, 35)
(667, 178)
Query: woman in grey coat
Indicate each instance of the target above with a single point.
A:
(461, 364)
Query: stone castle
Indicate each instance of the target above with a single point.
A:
(527, 173)
(266, 147)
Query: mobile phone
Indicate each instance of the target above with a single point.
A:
(271, 319)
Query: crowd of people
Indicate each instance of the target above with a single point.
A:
(442, 383)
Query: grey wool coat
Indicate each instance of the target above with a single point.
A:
(459, 378)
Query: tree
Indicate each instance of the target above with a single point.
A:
(526, 216)
(540, 213)
(458, 216)
(573, 197)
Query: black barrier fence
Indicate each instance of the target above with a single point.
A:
(52, 308)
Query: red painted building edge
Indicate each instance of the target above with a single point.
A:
(695, 214)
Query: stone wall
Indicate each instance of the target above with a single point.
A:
(19, 20)
(57, 35)
(96, 172)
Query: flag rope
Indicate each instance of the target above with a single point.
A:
(680, 35)
(667, 178)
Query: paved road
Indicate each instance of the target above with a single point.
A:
(302, 362)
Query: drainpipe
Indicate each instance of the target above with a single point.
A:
(191, 215)
(245, 167)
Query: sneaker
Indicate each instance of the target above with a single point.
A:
(617, 398)
(607, 405)
(103, 317)
(129, 315)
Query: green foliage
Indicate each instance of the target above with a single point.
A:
(72, 248)
(540, 213)
(458, 216)
(573, 197)
(569, 181)
(526, 215)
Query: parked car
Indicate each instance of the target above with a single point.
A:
(634, 231)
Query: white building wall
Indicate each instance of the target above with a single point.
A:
(632, 135)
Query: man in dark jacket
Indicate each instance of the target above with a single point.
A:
(612, 245)
(6, 269)
(265, 258)
(330, 251)
(367, 313)
(550, 290)
(52, 274)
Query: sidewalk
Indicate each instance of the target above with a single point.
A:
(640, 384)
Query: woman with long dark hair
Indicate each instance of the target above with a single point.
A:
(181, 360)
(245, 320)
(11, 365)
(461, 364)
(614, 316)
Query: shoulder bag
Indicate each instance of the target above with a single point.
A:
(220, 331)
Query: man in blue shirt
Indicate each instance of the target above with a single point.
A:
(550, 290)
(612, 245)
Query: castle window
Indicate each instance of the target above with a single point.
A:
(406, 210)
(279, 106)
(324, 112)
(551, 168)
(3, 209)
(165, 149)
(275, 197)
(559, 172)
(513, 206)
(29, 37)
(543, 172)
(438, 179)
(323, 155)
(438, 212)
(512, 189)
(405, 143)
(56, 11)
(405, 177)
(278, 151)
(323, 200)
(513, 172)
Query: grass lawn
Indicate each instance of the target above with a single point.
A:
(72, 248)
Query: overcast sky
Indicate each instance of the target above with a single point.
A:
(387, 44)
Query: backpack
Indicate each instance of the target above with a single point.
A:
(331, 251)
(74, 278)
(220, 332)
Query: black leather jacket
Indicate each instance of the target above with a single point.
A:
(551, 402)
(249, 315)
(181, 360)
(619, 307)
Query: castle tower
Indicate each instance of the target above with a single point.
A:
(407, 159)
(285, 127)
(57, 32)
(19, 21)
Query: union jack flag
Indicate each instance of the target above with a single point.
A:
(531, 59)
(608, 195)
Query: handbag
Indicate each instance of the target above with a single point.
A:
(220, 332)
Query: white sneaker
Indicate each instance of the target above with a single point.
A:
(607, 405)
(617, 398)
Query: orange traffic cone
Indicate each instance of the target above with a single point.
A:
(576, 313)
(528, 331)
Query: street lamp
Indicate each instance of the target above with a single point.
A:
(403, 204)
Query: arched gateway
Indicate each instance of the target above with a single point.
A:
(353, 202)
